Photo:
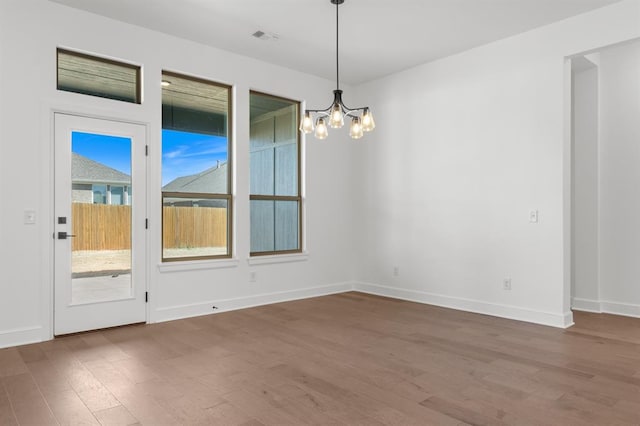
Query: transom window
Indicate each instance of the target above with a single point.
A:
(95, 76)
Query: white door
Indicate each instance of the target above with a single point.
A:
(100, 210)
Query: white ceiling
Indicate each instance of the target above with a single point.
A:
(377, 37)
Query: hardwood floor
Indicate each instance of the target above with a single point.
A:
(345, 359)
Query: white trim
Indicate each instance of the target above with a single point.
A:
(21, 336)
(223, 305)
(101, 57)
(567, 320)
(196, 265)
(586, 305)
(47, 180)
(567, 185)
(90, 108)
(624, 309)
(277, 258)
(606, 307)
(116, 312)
(469, 305)
(37, 334)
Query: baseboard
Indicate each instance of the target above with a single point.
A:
(223, 305)
(28, 335)
(504, 311)
(586, 305)
(624, 309)
(606, 307)
(20, 336)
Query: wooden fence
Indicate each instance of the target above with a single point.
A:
(100, 227)
(189, 227)
(104, 227)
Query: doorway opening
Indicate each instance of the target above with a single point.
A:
(605, 164)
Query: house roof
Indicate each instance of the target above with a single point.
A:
(213, 181)
(86, 170)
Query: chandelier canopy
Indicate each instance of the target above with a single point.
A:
(334, 115)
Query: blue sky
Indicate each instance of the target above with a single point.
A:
(112, 151)
(183, 153)
(186, 153)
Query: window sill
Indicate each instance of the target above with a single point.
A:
(194, 265)
(278, 258)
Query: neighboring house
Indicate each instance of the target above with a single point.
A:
(210, 181)
(95, 183)
(273, 224)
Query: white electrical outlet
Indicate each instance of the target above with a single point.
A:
(252, 277)
(396, 271)
(533, 216)
(506, 284)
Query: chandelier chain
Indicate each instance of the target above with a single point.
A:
(337, 47)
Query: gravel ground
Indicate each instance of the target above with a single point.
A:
(85, 261)
(104, 260)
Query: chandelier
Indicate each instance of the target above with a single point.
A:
(334, 115)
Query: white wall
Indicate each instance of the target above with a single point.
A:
(465, 148)
(619, 229)
(585, 185)
(30, 31)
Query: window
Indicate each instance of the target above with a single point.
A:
(196, 170)
(99, 194)
(119, 195)
(90, 75)
(276, 204)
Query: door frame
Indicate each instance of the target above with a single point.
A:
(47, 163)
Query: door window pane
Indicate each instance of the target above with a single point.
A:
(101, 224)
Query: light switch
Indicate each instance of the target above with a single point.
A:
(533, 216)
(29, 217)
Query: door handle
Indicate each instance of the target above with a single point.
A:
(63, 235)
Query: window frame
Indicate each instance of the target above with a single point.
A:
(276, 198)
(228, 197)
(136, 68)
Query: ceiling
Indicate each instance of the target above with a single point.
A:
(377, 37)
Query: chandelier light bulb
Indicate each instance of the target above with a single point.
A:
(355, 131)
(307, 123)
(336, 119)
(367, 121)
(321, 129)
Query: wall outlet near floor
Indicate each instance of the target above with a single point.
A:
(506, 284)
(396, 271)
(252, 277)
(533, 216)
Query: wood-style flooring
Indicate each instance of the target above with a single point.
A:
(347, 359)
